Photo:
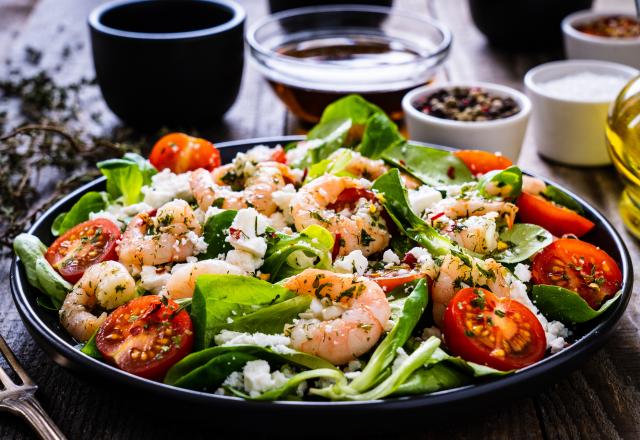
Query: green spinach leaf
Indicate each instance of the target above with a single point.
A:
(430, 165)
(560, 197)
(505, 183)
(214, 233)
(429, 380)
(565, 305)
(218, 300)
(524, 241)
(379, 134)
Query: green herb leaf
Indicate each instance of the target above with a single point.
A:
(565, 305)
(380, 133)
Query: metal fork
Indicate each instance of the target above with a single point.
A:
(20, 399)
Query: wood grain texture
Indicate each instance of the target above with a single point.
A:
(600, 400)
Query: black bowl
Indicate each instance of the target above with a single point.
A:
(523, 24)
(393, 414)
(169, 62)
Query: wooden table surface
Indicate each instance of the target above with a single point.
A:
(599, 400)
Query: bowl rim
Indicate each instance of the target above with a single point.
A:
(569, 30)
(533, 86)
(95, 22)
(519, 97)
(255, 46)
(580, 348)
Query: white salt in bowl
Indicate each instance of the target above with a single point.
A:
(570, 100)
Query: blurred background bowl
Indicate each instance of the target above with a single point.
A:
(283, 5)
(170, 62)
(499, 135)
(523, 24)
(579, 45)
(313, 56)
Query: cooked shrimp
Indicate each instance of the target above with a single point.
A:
(477, 233)
(105, 285)
(360, 228)
(348, 315)
(165, 238)
(453, 272)
(182, 281)
(533, 186)
(370, 169)
(455, 208)
(241, 187)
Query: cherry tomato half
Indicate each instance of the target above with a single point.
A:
(481, 162)
(555, 218)
(82, 246)
(499, 332)
(579, 266)
(181, 153)
(279, 155)
(390, 279)
(146, 336)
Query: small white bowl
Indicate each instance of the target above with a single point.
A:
(579, 45)
(571, 131)
(498, 135)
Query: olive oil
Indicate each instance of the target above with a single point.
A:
(343, 58)
(623, 139)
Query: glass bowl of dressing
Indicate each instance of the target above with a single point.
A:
(315, 55)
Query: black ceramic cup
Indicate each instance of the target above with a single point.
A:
(168, 62)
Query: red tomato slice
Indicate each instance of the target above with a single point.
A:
(279, 155)
(498, 332)
(82, 246)
(146, 336)
(579, 266)
(181, 153)
(555, 218)
(481, 162)
(391, 279)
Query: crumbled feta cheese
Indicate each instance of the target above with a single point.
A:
(244, 260)
(522, 272)
(355, 262)
(153, 281)
(300, 260)
(166, 186)
(257, 378)
(228, 337)
(199, 244)
(211, 211)
(282, 198)
(260, 153)
(423, 198)
(246, 230)
(390, 258)
(278, 221)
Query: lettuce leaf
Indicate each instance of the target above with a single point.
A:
(315, 242)
(565, 305)
(90, 202)
(126, 176)
(214, 233)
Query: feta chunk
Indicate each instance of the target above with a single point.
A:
(390, 258)
(166, 186)
(246, 230)
(153, 281)
(355, 262)
(423, 198)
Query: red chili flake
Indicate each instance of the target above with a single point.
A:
(451, 173)
(410, 259)
(402, 162)
(437, 216)
(336, 246)
(235, 233)
(304, 173)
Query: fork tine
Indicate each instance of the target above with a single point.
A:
(13, 362)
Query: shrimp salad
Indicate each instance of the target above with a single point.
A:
(352, 265)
